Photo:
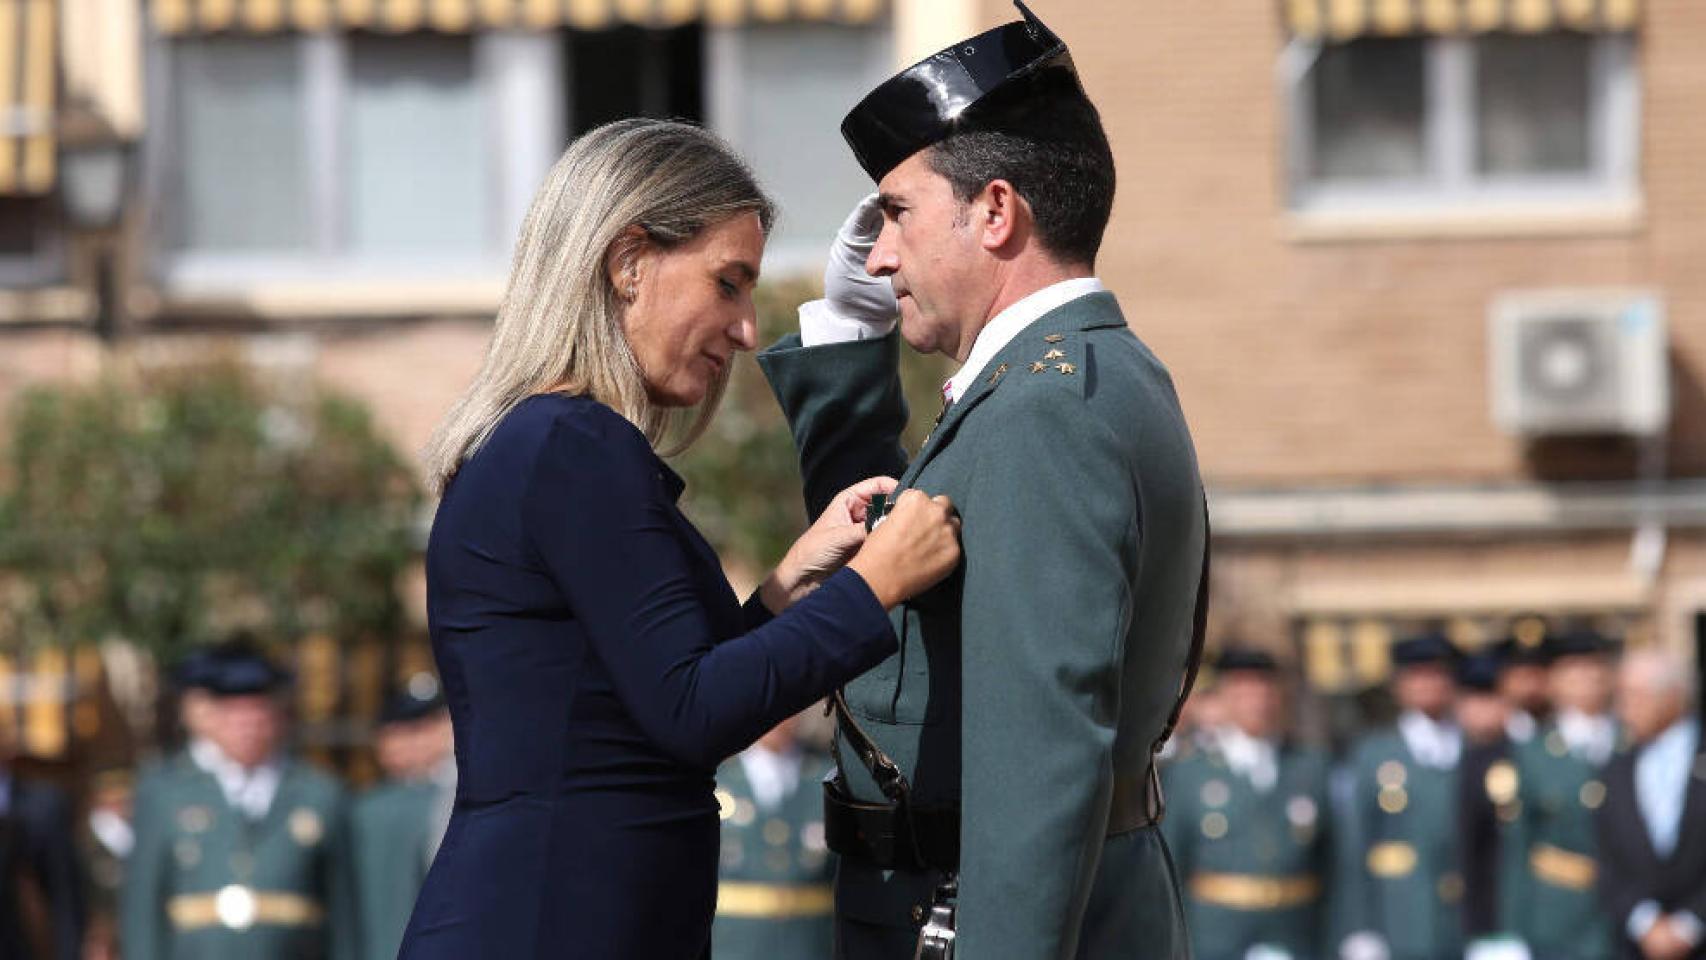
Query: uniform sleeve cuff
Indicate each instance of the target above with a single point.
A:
(820, 324)
(1641, 919)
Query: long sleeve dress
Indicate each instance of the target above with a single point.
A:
(598, 667)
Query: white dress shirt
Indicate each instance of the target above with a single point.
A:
(774, 776)
(248, 790)
(1252, 758)
(1589, 737)
(820, 325)
(1433, 744)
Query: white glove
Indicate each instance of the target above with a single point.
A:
(853, 294)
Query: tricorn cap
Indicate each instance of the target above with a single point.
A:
(955, 90)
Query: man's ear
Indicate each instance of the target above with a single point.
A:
(1002, 215)
(623, 262)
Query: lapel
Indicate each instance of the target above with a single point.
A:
(1089, 312)
(1693, 807)
(1629, 822)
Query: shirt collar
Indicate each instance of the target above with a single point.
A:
(1009, 323)
(1434, 743)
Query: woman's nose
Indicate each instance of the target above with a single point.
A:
(744, 333)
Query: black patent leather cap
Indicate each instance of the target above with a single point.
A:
(936, 97)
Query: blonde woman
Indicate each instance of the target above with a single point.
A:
(596, 663)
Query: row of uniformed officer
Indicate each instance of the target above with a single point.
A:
(240, 851)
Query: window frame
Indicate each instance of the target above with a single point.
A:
(519, 79)
(1450, 140)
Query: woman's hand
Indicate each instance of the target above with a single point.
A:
(916, 546)
(825, 547)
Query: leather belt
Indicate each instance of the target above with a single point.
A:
(773, 900)
(1562, 868)
(236, 907)
(1249, 891)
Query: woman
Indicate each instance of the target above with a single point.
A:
(596, 663)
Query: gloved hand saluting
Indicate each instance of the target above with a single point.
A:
(853, 294)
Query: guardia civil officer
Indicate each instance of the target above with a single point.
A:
(996, 774)
(396, 826)
(1398, 878)
(1486, 794)
(241, 852)
(1248, 824)
(773, 894)
(1552, 857)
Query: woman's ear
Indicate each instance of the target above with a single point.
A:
(624, 260)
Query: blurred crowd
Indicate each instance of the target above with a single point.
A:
(1537, 800)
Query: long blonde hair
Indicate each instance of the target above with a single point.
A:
(559, 325)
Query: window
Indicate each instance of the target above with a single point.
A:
(779, 92)
(1435, 121)
(350, 155)
(30, 244)
(630, 72)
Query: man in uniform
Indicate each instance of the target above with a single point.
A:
(996, 774)
(1549, 846)
(773, 901)
(240, 852)
(396, 827)
(1399, 885)
(1247, 825)
(1486, 797)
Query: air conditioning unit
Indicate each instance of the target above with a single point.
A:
(1571, 363)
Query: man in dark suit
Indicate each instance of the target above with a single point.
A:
(41, 902)
(1009, 743)
(1486, 790)
(1652, 826)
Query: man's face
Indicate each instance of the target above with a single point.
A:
(1425, 687)
(246, 728)
(1252, 702)
(1644, 705)
(1523, 685)
(930, 250)
(1583, 683)
(1482, 715)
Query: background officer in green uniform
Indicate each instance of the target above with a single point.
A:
(1009, 742)
(396, 826)
(1248, 827)
(1398, 883)
(1550, 851)
(1486, 786)
(241, 852)
(774, 900)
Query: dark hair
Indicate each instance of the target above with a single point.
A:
(1051, 147)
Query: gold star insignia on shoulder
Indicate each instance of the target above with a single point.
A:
(1054, 355)
(1066, 368)
(1054, 338)
(997, 374)
(1038, 367)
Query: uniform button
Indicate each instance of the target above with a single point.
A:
(917, 913)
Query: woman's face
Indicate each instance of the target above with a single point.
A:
(691, 308)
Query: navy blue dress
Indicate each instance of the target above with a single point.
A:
(598, 668)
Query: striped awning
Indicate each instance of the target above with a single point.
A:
(1348, 19)
(27, 74)
(459, 16)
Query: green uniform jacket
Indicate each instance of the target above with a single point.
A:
(1045, 668)
(191, 845)
(1255, 866)
(773, 900)
(1551, 853)
(1397, 872)
(392, 837)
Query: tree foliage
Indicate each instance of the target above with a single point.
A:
(168, 510)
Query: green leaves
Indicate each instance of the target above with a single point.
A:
(171, 509)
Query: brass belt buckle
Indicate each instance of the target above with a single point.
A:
(936, 939)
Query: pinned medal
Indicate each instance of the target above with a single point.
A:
(195, 819)
(1215, 793)
(305, 827)
(1302, 812)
